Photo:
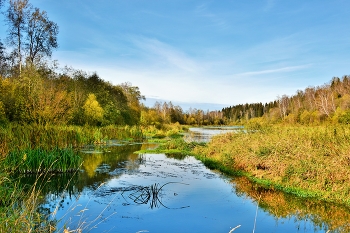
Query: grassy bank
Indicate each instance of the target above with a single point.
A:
(305, 161)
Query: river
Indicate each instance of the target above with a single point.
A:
(119, 191)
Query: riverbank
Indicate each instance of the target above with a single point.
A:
(305, 161)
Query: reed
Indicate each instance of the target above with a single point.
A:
(47, 137)
(19, 208)
(40, 161)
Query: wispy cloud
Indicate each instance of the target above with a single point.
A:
(272, 71)
(164, 52)
(214, 19)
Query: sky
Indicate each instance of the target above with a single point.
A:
(195, 52)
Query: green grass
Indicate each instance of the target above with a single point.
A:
(47, 137)
(42, 161)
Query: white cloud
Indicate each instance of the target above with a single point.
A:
(272, 71)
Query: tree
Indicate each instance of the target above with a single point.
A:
(325, 100)
(283, 103)
(41, 36)
(17, 18)
(93, 110)
(30, 32)
(3, 61)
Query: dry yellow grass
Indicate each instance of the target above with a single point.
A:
(314, 160)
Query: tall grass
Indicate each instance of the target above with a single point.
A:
(19, 208)
(39, 161)
(21, 137)
(305, 161)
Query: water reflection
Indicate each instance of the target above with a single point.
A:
(204, 134)
(324, 216)
(119, 191)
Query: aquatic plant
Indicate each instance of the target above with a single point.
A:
(148, 194)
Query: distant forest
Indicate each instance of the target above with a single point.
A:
(327, 103)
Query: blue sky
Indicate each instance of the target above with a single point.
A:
(221, 52)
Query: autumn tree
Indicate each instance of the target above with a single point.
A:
(134, 97)
(93, 110)
(283, 104)
(325, 100)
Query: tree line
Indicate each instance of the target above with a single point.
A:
(167, 113)
(329, 102)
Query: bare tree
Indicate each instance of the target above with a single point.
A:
(41, 36)
(325, 100)
(17, 17)
(30, 32)
(283, 103)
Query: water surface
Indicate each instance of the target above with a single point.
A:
(119, 191)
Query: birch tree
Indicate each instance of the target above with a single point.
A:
(17, 16)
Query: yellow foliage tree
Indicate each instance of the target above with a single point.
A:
(92, 110)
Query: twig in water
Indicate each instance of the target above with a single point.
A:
(233, 229)
(149, 194)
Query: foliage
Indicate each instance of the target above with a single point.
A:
(92, 110)
(50, 98)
